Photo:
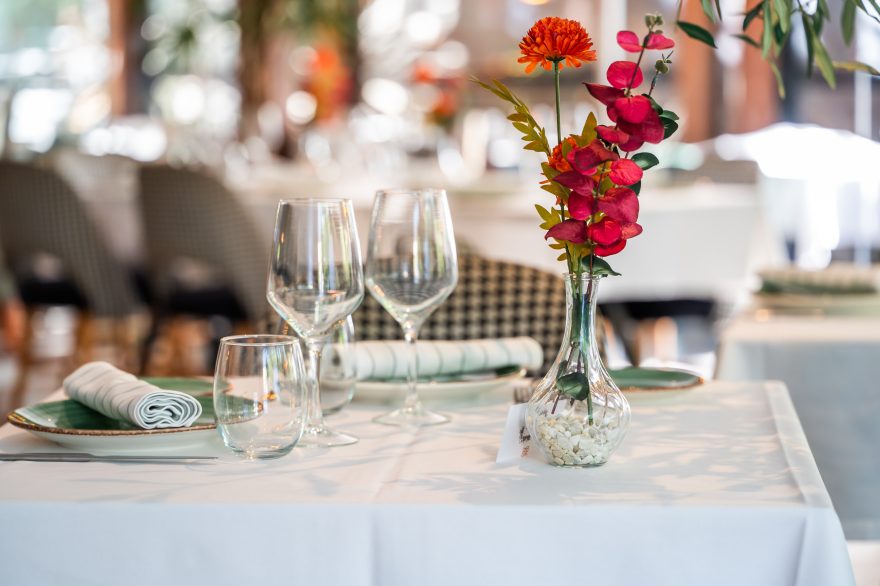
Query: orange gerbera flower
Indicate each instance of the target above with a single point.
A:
(557, 161)
(556, 40)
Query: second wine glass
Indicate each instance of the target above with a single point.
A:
(316, 282)
(411, 269)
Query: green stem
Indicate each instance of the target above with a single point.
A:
(558, 143)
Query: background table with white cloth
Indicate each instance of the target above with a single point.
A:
(713, 485)
(831, 366)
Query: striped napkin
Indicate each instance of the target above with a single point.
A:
(120, 395)
(382, 360)
(839, 278)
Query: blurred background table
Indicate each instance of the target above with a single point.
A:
(831, 366)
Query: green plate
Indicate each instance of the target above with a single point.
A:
(636, 378)
(71, 417)
(193, 386)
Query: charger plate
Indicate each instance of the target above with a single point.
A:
(638, 378)
(73, 425)
(440, 389)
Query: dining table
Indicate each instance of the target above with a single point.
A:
(714, 484)
(828, 359)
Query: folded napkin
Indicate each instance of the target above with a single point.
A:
(120, 395)
(387, 359)
(839, 278)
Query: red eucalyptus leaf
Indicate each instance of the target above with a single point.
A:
(633, 144)
(620, 204)
(625, 172)
(575, 181)
(631, 230)
(629, 41)
(580, 206)
(586, 159)
(605, 232)
(633, 109)
(658, 42)
(609, 250)
(620, 74)
(612, 135)
(604, 93)
(573, 231)
(648, 130)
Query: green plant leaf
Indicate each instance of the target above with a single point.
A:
(697, 32)
(645, 160)
(669, 128)
(749, 40)
(783, 14)
(517, 117)
(767, 32)
(574, 385)
(780, 85)
(637, 187)
(811, 54)
(668, 115)
(848, 20)
(600, 266)
(823, 61)
(548, 171)
(752, 15)
(588, 134)
(543, 212)
(855, 66)
(709, 9)
(718, 9)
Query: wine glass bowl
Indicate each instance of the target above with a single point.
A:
(411, 269)
(315, 282)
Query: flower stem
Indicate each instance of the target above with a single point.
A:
(558, 143)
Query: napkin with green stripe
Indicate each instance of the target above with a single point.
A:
(386, 360)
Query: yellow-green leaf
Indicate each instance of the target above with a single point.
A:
(543, 212)
(588, 134)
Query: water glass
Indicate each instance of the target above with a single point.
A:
(259, 395)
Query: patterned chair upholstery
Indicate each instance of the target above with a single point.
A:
(493, 299)
(189, 214)
(41, 214)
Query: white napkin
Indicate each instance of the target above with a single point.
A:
(387, 359)
(120, 395)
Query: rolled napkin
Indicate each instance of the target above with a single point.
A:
(120, 395)
(382, 360)
(839, 278)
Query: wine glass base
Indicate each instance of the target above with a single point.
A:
(408, 417)
(321, 437)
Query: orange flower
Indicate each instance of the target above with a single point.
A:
(554, 40)
(557, 161)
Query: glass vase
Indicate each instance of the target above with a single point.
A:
(577, 416)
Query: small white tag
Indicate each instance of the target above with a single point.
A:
(515, 442)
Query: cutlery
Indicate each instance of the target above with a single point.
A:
(86, 457)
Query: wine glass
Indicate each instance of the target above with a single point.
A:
(258, 395)
(411, 268)
(315, 282)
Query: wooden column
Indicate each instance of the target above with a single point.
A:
(755, 101)
(126, 53)
(695, 69)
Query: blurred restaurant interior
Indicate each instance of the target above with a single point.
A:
(146, 144)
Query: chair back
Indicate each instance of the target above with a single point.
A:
(41, 214)
(188, 214)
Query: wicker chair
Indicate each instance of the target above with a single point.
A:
(190, 217)
(42, 217)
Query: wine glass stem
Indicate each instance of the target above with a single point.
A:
(314, 413)
(411, 335)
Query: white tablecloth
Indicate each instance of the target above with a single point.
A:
(832, 368)
(712, 486)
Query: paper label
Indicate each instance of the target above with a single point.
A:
(515, 441)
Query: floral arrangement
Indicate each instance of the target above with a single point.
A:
(596, 175)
